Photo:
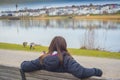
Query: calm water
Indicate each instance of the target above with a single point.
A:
(103, 35)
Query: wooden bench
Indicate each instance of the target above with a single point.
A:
(12, 73)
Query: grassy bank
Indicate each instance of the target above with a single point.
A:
(81, 52)
(101, 17)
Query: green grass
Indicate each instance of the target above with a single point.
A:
(95, 53)
(20, 47)
(79, 52)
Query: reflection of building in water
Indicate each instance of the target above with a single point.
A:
(64, 23)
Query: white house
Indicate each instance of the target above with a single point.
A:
(42, 12)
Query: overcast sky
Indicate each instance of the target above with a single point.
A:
(35, 1)
(10, 4)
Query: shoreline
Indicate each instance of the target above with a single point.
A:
(98, 17)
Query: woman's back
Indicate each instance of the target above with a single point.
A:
(58, 59)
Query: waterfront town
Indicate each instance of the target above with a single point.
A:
(66, 10)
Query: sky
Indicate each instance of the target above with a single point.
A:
(34, 4)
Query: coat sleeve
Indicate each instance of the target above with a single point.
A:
(28, 66)
(79, 71)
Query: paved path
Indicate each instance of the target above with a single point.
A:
(110, 67)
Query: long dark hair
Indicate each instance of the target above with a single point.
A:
(58, 44)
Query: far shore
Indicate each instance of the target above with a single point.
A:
(99, 17)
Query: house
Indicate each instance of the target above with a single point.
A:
(67, 10)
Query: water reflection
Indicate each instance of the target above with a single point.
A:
(91, 34)
(65, 23)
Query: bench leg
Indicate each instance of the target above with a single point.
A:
(22, 74)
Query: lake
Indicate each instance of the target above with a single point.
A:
(91, 34)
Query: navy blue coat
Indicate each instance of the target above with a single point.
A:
(52, 63)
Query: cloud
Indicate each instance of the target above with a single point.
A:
(35, 1)
(2, 2)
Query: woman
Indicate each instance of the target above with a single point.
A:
(58, 59)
